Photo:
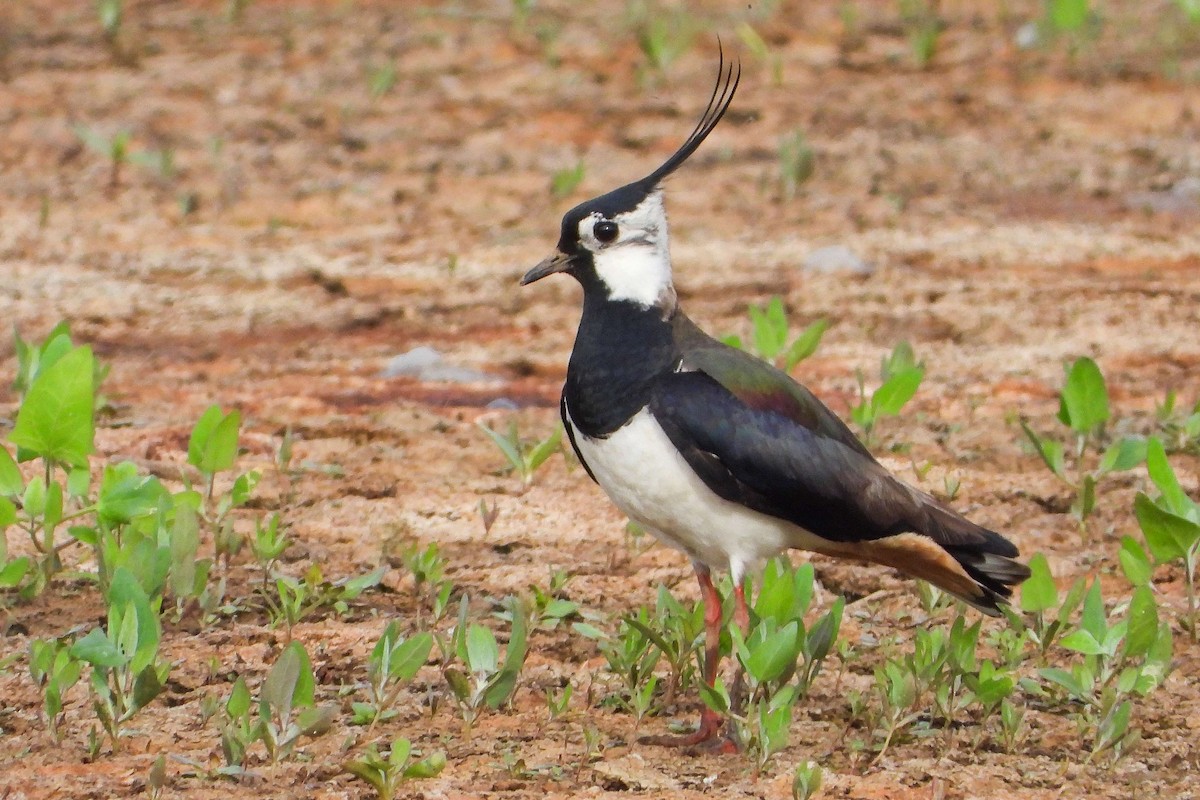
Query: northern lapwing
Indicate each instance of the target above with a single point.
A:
(717, 453)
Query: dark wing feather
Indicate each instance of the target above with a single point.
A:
(570, 429)
(789, 470)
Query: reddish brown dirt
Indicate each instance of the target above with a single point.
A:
(334, 231)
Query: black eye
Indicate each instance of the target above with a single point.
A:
(605, 231)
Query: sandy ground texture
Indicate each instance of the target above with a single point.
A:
(1017, 208)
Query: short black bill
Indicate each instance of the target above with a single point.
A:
(559, 262)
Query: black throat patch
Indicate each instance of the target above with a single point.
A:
(620, 350)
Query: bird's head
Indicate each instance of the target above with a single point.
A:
(616, 244)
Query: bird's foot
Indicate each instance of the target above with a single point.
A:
(710, 737)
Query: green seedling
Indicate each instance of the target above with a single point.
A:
(1120, 659)
(487, 682)
(677, 633)
(156, 779)
(900, 375)
(896, 691)
(488, 515)
(797, 163)
(1084, 410)
(558, 702)
(286, 707)
(114, 148)
(382, 79)
(239, 729)
(922, 28)
(524, 457)
(270, 541)
(663, 38)
(1170, 524)
(126, 671)
(806, 780)
(393, 663)
(213, 449)
(428, 568)
(1180, 430)
(629, 654)
(294, 599)
(1039, 597)
(545, 607)
(54, 670)
(386, 774)
(1190, 10)
(758, 47)
(565, 181)
(770, 334)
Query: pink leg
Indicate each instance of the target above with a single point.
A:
(708, 733)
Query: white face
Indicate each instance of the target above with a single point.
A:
(636, 266)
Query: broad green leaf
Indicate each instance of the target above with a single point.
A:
(505, 682)
(897, 391)
(239, 699)
(125, 495)
(97, 650)
(1134, 562)
(290, 683)
(1064, 679)
(13, 571)
(8, 515)
(220, 451)
(56, 418)
(774, 655)
(1039, 592)
(545, 449)
(410, 655)
(1169, 536)
(483, 654)
(79, 480)
(1082, 641)
(1123, 455)
(146, 686)
(1068, 15)
(1083, 405)
(399, 753)
(201, 433)
(11, 482)
(1143, 623)
(428, 767)
(825, 631)
(34, 499)
(1174, 498)
(185, 543)
(806, 343)
(1050, 450)
(1092, 618)
(126, 592)
(715, 697)
(506, 445)
(356, 586)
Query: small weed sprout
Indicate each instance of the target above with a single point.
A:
(286, 709)
(759, 48)
(487, 682)
(393, 663)
(770, 334)
(387, 773)
(1170, 524)
(524, 457)
(126, 671)
(901, 375)
(54, 670)
(923, 27)
(797, 163)
(806, 780)
(565, 181)
(1180, 430)
(1084, 409)
(428, 568)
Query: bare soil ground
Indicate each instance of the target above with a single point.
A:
(1016, 204)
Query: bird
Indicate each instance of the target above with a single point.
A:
(719, 454)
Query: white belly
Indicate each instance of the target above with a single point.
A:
(647, 478)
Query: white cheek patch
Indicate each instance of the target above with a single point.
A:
(637, 266)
